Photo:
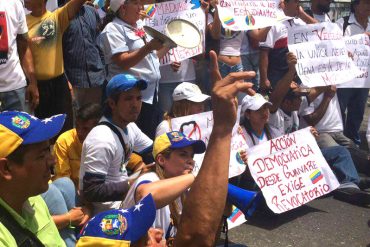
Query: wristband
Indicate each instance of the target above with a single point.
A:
(70, 221)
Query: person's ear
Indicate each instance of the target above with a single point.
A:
(160, 159)
(111, 103)
(5, 172)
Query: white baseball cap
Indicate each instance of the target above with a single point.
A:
(115, 4)
(189, 91)
(254, 102)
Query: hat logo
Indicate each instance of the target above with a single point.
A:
(20, 122)
(176, 137)
(113, 224)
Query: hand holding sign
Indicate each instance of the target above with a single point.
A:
(224, 92)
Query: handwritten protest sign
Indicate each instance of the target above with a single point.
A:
(290, 170)
(322, 55)
(199, 127)
(238, 15)
(162, 13)
(359, 47)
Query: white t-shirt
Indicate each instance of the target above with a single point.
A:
(368, 132)
(102, 153)
(283, 122)
(322, 18)
(12, 23)
(163, 215)
(277, 37)
(259, 139)
(231, 42)
(353, 27)
(332, 119)
(186, 72)
(162, 128)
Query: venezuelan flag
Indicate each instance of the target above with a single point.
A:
(235, 215)
(316, 176)
(229, 21)
(150, 11)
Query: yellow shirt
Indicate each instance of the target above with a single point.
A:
(36, 218)
(67, 150)
(46, 33)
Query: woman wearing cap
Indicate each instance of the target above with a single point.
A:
(172, 176)
(188, 99)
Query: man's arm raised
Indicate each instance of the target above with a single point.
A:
(206, 200)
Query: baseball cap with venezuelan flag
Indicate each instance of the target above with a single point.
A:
(174, 140)
(20, 128)
(119, 227)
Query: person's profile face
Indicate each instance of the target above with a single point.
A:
(131, 10)
(179, 162)
(34, 172)
(84, 127)
(324, 5)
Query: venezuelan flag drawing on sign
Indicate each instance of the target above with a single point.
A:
(229, 21)
(316, 176)
(150, 10)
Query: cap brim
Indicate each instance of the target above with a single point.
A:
(48, 128)
(199, 98)
(140, 220)
(141, 84)
(259, 104)
(198, 145)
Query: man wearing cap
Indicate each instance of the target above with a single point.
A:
(127, 49)
(25, 163)
(107, 148)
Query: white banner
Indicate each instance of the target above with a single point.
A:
(359, 47)
(238, 15)
(162, 13)
(291, 170)
(199, 127)
(322, 55)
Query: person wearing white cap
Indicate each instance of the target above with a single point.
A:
(188, 99)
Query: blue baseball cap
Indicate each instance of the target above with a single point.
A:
(176, 139)
(124, 82)
(18, 128)
(119, 227)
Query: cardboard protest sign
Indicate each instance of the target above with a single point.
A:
(322, 55)
(359, 47)
(238, 15)
(199, 127)
(162, 13)
(290, 170)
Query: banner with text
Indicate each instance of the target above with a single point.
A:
(359, 47)
(290, 170)
(162, 13)
(199, 127)
(322, 55)
(240, 15)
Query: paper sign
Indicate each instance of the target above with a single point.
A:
(162, 13)
(235, 219)
(291, 170)
(322, 57)
(199, 127)
(238, 15)
(359, 47)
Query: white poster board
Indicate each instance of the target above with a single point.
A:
(162, 13)
(199, 127)
(291, 170)
(322, 57)
(240, 15)
(235, 219)
(359, 47)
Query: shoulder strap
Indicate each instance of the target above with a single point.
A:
(23, 237)
(117, 132)
(345, 23)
